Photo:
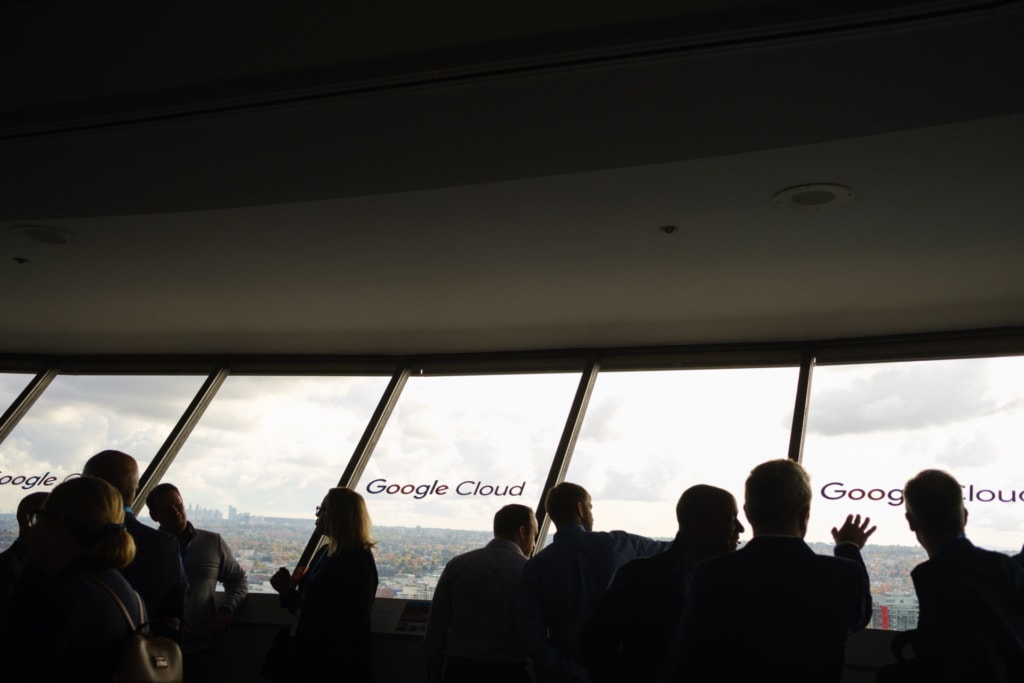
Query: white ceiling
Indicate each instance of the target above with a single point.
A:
(519, 208)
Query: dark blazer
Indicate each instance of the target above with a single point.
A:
(774, 610)
(66, 628)
(971, 620)
(628, 634)
(157, 574)
(12, 563)
(332, 636)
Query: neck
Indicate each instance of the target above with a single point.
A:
(933, 543)
(793, 531)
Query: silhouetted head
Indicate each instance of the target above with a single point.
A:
(708, 521)
(935, 507)
(82, 516)
(778, 498)
(567, 504)
(117, 469)
(167, 509)
(518, 524)
(26, 506)
(343, 518)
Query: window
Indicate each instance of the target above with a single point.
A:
(648, 436)
(872, 427)
(80, 415)
(455, 450)
(261, 458)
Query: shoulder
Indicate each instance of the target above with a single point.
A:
(147, 536)
(206, 534)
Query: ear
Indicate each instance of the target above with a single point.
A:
(965, 516)
(581, 511)
(910, 522)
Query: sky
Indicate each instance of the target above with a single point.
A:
(273, 445)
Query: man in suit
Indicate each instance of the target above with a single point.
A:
(629, 633)
(971, 620)
(156, 572)
(775, 610)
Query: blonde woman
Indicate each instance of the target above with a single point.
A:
(334, 595)
(62, 625)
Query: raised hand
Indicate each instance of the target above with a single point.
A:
(853, 531)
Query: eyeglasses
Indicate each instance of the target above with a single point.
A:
(34, 517)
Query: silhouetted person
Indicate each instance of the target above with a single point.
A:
(563, 582)
(333, 597)
(207, 560)
(774, 610)
(473, 630)
(971, 621)
(628, 635)
(156, 572)
(15, 558)
(62, 624)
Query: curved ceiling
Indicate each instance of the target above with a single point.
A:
(505, 189)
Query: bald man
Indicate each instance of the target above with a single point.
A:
(628, 635)
(156, 572)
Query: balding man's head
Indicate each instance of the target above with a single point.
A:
(708, 521)
(117, 469)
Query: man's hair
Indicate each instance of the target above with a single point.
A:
(696, 501)
(508, 519)
(936, 501)
(776, 493)
(560, 502)
(158, 491)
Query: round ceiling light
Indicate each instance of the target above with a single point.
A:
(814, 197)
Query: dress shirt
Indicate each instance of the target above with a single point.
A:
(473, 613)
(207, 560)
(562, 584)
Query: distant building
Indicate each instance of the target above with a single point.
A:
(897, 612)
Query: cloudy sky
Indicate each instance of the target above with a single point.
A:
(273, 445)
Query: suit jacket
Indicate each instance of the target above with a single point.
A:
(629, 633)
(971, 621)
(157, 574)
(774, 610)
(12, 563)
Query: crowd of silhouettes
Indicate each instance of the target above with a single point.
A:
(617, 607)
(592, 606)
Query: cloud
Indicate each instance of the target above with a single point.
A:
(902, 397)
(975, 451)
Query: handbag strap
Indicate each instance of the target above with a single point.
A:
(124, 610)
